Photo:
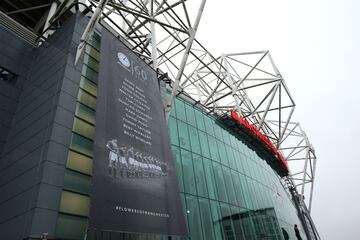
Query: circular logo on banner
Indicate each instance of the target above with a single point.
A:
(123, 59)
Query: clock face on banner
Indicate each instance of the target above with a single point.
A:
(123, 59)
(134, 67)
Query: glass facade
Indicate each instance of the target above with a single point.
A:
(227, 190)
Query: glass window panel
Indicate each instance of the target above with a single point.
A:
(238, 189)
(85, 113)
(252, 195)
(209, 125)
(217, 130)
(238, 161)
(93, 52)
(220, 182)
(247, 150)
(70, 227)
(200, 176)
(177, 158)
(173, 131)
(204, 144)
(193, 217)
(233, 141)
(213, 148)
(87, 99)
(217, 220)
(210, 178)
(81, 144)
(230, 155)
(235, 154)
(190, 115)
(226, 136)
(229, 186)
(77, 182)
(74, 203)
(194, 140)
(257, 170)
(260, 193)
(95, 41)
(246, 221)
(236, 219)
(199, 120)
(173, 110)
(263, 175)
(91, 62)
(207, 223)
(188, 172)
(245, 191)
(222, 152)
(88, 86)
(239, 145)
(249, 168)
(267, 203)
(89, 74)
(255, 191)
(185, 209)
(83, 128)
(184, 141)
(245, 165)
(227, 222)
(243, 149)
(180, 110)
(79, 162)
(252, 168)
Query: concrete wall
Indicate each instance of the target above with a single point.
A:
(38, 123)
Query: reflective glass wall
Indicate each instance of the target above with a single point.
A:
(227, 190)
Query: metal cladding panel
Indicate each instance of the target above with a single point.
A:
(135, 186)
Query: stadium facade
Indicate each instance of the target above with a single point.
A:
(228, 188)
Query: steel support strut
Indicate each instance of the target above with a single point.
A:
(192, 33)
(90, 28)
(51, 13)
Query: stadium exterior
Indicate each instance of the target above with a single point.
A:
(228, 188)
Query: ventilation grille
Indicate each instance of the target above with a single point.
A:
(13, 26)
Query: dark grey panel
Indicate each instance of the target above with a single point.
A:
(56, 153)
(20, 184)
(44, 221)
(39, 131)
(48, 196)
(23, 165)
(53, 174)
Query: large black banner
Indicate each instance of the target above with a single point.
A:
(134, 181)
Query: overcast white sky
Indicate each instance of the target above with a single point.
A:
(315, 45)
